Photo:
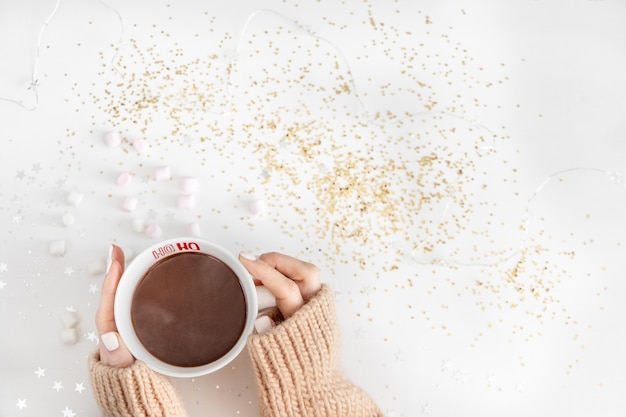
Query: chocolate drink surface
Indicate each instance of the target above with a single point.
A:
(189, 309)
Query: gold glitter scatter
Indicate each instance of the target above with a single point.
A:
(363, 165)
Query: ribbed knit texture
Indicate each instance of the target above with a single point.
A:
(297, 369)
(134, 391)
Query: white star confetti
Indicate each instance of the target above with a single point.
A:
(92, 337)
(21, 404)
(67, 412)
(17, 218)
(40, 372)
(69, 271)
(93, 288)
(80, 387)
(70, 308)
(58, 386)
(2, 284)
(426, 409)
(3, 267)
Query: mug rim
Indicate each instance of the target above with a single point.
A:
(135, 271)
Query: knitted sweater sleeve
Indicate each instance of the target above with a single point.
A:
(297, 370)
(134, 391)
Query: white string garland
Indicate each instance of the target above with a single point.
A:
(34, 78)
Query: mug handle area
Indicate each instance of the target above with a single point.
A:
(265, 298)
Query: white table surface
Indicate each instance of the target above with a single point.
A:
(454, 168)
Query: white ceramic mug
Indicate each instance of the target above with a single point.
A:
(257, 298)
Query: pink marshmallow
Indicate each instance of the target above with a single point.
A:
(124, 179)
(193, 229)
(153, 231)
(189, 185)
(186, 201)
(112, 139)
(129, 203)
(257, 207)
(162, 173)
(140, 145)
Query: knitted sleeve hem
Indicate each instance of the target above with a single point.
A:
(296, 366)
(133, 391)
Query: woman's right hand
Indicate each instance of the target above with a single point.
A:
(113, 351)
(292, 281)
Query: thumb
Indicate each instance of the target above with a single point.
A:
(113, 352)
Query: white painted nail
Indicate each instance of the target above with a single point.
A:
(109, 260)
(248, 256)
(262, 324)
(110, 342)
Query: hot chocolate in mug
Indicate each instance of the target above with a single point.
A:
(186, 306)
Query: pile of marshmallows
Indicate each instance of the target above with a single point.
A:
(186, 200)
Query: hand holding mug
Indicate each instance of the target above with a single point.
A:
(113, 351)
(292, 281)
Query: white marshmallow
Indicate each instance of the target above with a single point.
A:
(153, 231)
(140, 145)
(193, 229)
(57, 247)
(129, 204)
(186, 201)
(68, 220)
(97, 267)
(69, 336)
(69, 319)
(74, 198)
(124, 179)
(139, 225)
(162, 173)
(112, 138)
(189, 185)
(257, 207)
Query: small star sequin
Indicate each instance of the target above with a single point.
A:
(69, 271)
(67, 412)
(3, 267)
(40, 372)
(2, 284)
(58, 386)
(21, 403)
(92, 337)
(79, 387)
(93, 288)
(20, 175)
(16, 218)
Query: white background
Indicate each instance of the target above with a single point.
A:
(454, 168)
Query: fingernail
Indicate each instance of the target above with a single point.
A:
(262, 324)
(248, 256)
(109, 259)
(110, 342)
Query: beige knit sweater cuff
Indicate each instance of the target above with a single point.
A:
(297, 369)
(134, 391)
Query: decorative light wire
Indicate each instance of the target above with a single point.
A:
(34, 79)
